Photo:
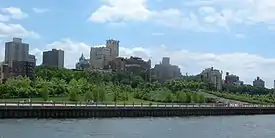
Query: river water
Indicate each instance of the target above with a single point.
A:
(189, 127)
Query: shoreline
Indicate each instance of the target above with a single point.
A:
(128, 111)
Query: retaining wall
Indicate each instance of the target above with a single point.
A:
(107, 112)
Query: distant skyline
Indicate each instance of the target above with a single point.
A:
(230, 35)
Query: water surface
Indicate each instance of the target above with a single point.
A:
(191, 127)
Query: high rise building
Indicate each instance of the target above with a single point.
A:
(166, 61)
(213, 77)
(53, 58)
(32, 58)
(24, 69)
(16, 51)
(258, 82)
(113, 45)
(4, 72)
(101, 57)
(232, 79)
(165, 71)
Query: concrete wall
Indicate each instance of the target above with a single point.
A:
(101, 112)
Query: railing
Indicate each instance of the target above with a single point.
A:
(134, 105)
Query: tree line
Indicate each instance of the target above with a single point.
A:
(110, 86)
(247, 89)
(99, 86)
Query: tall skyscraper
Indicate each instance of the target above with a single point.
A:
(16, 51)
(53, 58)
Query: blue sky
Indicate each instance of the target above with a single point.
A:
(231, 35)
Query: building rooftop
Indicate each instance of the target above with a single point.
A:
(16, 39)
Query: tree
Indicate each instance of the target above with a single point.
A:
(44, 92)
(194, 98)
(101, 93)
(73, 94)
(74, 90)
(188, 98)
(88, 96)
(201, 99)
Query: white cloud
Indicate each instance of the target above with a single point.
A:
(4, 18)
(117, 11)
(121, 10)
(15, 30)
(40, 10)
(14, 12)
(192, 62)
(205, 15)
(8, 30)
(241, 12)
(2, 50)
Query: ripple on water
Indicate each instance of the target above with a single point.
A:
(195, 127)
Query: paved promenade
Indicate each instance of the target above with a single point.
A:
(136, 105)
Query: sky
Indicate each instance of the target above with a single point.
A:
(235, 36)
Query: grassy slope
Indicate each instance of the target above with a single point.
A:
(109, 99)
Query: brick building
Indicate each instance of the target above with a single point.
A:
(23, 68)
(4, 72)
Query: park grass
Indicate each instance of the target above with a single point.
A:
(108, 100)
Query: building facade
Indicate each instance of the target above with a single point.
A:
(212, 76)
(32, 58)
(113, 45)
(137, 65)
(100, 57)
(258, 82)
(166, 61)
(232, 79)
(118, 64)
(23, 68)
(16, 50)
(165, 71)
(53, 58)
(4, 72)
(82, 63)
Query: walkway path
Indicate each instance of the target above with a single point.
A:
(129, 106)
(220, 99)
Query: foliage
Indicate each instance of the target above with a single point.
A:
(45, 92)
(177, 85)
(97, 86)
(102, 86)
(247, 89)
(257, 99)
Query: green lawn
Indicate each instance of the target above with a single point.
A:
(109, 100)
